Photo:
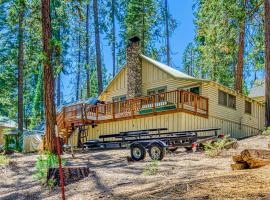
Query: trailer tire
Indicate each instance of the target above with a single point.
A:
(137, 152)
(156, 151)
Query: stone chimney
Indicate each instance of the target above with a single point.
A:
(134, 68)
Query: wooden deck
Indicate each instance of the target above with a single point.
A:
(163, 103)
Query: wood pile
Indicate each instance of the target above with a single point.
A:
(71, 174)
(251, 158)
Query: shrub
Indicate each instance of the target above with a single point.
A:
(151, 169)
(4, 160)
(266, 131)
(43, 163)
(213, 149)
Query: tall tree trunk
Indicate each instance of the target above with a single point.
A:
(48, 78)
(98, 52)
(241, 49)
(79, 70)
(267, 60)
(20, 69)
(167, 33)
(87, 53)
(143, 29)
(59, 89)
(58, 64)
(113, 36)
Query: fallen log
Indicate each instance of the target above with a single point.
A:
(239, 166)
(238, 159)
(71, 174)
(248, 154)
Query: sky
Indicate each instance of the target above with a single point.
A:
(181, 10)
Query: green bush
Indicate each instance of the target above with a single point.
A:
(151, 169)
(213, 149)
(266, 131)
(43, 163)
(4, 160)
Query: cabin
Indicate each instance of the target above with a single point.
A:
(257, 92)
(5, 123)
(148, 94)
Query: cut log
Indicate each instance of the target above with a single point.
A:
(239, 166)
(238, 159)
(255, 153)
(255, 157)
(71, 174)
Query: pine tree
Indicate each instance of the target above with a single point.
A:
(97, 44)
(48, 79)
(267, 60)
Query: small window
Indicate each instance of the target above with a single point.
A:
(247, 107)
(231, 101)
(193, 89)
(157, 90)
(119, 98)
(222, 98)
(226, 99)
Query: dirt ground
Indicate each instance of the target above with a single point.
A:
(181, 175)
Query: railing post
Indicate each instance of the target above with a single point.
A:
(82, 112)
(178, 99)
(96, 112)
(154, 103)
(182, 99)
(113, 110)
(131, 108)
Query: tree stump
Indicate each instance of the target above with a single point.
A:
(71, 174)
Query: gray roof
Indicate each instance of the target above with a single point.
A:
(258, 90)
(8, 123)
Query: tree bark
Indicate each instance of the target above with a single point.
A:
(48, 78)
(79, 70)
(240, 58)
(20, 68)
(87, 53)
(167, 33)
(267, 60)
(98, 51)
(113, 37)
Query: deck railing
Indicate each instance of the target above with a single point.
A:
(173, 101)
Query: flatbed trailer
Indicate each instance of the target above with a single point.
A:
(155, 141)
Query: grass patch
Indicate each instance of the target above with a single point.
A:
(43, 163)
(213, 149)
(4, 160)
(151, 169)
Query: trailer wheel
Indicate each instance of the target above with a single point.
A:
(137, 152)
(156, 151)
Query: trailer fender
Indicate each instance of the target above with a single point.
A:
(163, 144)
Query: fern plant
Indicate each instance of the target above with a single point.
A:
(213, 149)
(43, 163)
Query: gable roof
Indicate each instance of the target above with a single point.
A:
(258, 90)
(171, 71)
(167, 69)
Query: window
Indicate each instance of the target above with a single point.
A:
(119, 98)
(226, 99)
(222, 98)
(247, 107)
(193, 89)
(157, 90)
